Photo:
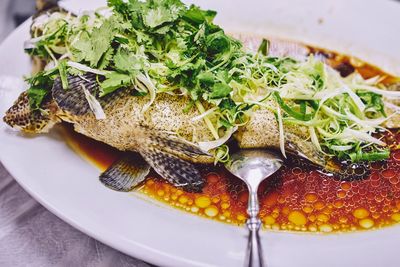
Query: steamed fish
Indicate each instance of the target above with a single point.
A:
(152, 134)
(161, 82)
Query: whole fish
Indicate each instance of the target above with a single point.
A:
(165, 136)
(151, 134)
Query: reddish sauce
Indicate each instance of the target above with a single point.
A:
(297, 198)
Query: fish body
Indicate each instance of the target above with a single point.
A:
(164, 135)
(124, 116)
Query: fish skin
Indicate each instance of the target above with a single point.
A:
(126, 127)
(393, 112)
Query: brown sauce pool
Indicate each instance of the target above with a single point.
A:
(297, 198)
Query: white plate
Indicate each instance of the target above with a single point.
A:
(68, 186)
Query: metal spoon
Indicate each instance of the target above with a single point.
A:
(253, 166)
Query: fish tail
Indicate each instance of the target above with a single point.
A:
(305, 149)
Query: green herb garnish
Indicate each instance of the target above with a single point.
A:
(158, 46)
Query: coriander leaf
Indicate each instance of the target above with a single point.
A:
(227, 104)
(36, 96)
(373, 103)
(126, 61)
(206, 78)
(264, 47)
(116, 4)
(220, 90)
(62, 68)
(218, 43)
(197, 16)
(40, 86)
(223, 76)
(75, 72)
(157, 16)
(100, 39)
(106, 58)
(113, 81)
(82, 48)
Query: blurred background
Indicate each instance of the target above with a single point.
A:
(14, 12)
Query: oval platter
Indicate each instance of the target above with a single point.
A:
(67, 185)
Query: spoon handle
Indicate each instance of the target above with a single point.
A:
(254, 257)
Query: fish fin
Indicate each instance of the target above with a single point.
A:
(305, 149)
(72, 101)
(342, 171)
(21, 116)
(172, 157)
(126, 173)
(175, 170)
(172, 144)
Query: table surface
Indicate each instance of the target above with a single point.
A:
(30, 235)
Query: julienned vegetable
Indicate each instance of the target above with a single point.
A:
(164, 46)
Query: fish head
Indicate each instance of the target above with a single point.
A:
(22, 117)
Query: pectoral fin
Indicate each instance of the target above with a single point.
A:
(175, 170)
(127, 173)
(171, 144)
(73, 101)
(172, 157)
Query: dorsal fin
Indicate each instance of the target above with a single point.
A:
(73, 100)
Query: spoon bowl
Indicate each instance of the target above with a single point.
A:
(253, 166)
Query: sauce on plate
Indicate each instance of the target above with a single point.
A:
(297, 197)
